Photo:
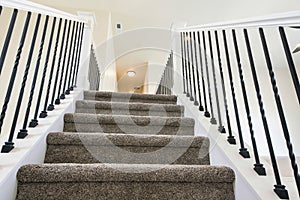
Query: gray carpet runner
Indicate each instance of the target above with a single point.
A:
(126, 147)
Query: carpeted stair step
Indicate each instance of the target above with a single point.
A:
(119, 108)
(81, 122)
(126, 148)
(125, 182)
(129, 97)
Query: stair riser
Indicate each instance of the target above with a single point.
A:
(126, 191)
(128, 129)
(129, 112)
(127, 154)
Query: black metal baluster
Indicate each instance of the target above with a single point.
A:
(258, 167)
(212, 120)
(230, 137)
(34, 121)
(76, 58)
(44, 114)
(221, 127)
(62, 96)
(206, 112)
(280, 110)
(21, 93)
(7, 38)
(0, 10)
(290, 62)
(278, 186)
(243, 151)
(78, 61)
(23, 132)
(186, 66)
(182, 63)
(196, 103)
(57, 101)
(9, 145)
(51, 105)
(189, 68)
(197, 72)
(72, 62)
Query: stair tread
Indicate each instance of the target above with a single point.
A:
(109, 139)
(38, 173)
(128, 105)
(88, 118)
(130, 97)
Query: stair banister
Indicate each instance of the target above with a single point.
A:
(232, 49)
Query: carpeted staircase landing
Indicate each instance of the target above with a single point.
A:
(126, 147)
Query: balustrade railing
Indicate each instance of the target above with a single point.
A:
(167, 79)
(229, 47)
(39, 43)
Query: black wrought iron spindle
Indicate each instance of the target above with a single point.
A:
(279, 188)
(280, 109)
(76, 58)
(213, 119)
(258, 167)
(8, 38)
(34, 122)
(189, 67)
(230, 137)
(290, 61)
(72, 61)
(182, 63)
(43, 113)
(51, 105)
(196, 103)
(206, 112)
(197, 73)
(63, 94)
(23, 132)
(78, 61)
(9, 145)
(57, 101)
(243, 151)
(221, 127)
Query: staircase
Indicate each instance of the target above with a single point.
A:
(126, 146)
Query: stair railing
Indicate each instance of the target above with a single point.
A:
(94, 71)
(44, 35)
(167, 79)
(220, 50)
